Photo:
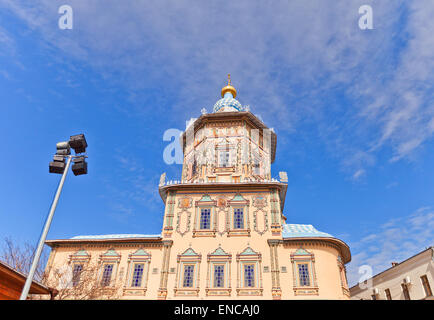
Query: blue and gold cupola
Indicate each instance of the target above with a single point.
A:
(228, 103)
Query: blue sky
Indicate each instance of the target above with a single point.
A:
(353, 111)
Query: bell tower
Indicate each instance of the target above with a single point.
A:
(226, 199)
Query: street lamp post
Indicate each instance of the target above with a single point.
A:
(79, 144)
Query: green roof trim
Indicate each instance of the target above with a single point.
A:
(219, 252)
(140, 252)
(238, 197)
(189, 252)
(301, 252)
(81, 252)
(248, 251)
(205, 197)
(111, 253)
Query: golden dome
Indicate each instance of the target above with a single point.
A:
(229, 88)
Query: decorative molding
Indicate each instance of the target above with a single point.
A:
(139, 256)
(185, 202)
(206, 200)
(190, 257)
(301, 255)
(81, 256)
(259, 201)
(255, 221)
(188, 222)
(219, 257)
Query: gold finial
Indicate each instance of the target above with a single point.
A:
(229, 88)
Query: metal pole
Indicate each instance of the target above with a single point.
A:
(41, 243)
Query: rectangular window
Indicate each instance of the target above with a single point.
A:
(256, 169)
(219, 276)
(388, 295)
(76, 273)
(249, 275)
(106, 275)
(205, 218)
(188, 276)
(238, 218)
(303, 274)
(137, 275)
(224, 159)
(405, 291)
(194, 168)
(426, 286)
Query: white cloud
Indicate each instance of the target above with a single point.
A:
(394, 241)
(358, 174)
(286, 59)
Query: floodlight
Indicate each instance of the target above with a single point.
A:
(80, 166)
(63, 148)
(57, 167)
(78, 143)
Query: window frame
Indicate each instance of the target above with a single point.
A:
(81, 257)
(405, 291)
(239, 202)
(109, 257)
(244, 259)
(206, 202)
(222, 274)
(219, 258)
(191, 269)
(426, 286)
(188, 258)
(388, 294)
(302, 256)
(74, 281)
(140, 256)
(304, 276)
(202, 210)
(235, 219)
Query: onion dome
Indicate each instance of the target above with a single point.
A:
(228, 103)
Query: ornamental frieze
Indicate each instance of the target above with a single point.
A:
(183, 222)
(185, 202)
(259, 201)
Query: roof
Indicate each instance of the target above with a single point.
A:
(107, 237)
(308, 232)
(6, 271)
(115, 236)
(302, 231)
(398, 265)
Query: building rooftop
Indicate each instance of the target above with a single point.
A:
(302, 231)
(115, 236)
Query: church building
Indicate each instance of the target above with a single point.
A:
(224, 233)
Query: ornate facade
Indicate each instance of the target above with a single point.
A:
(224, 234)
